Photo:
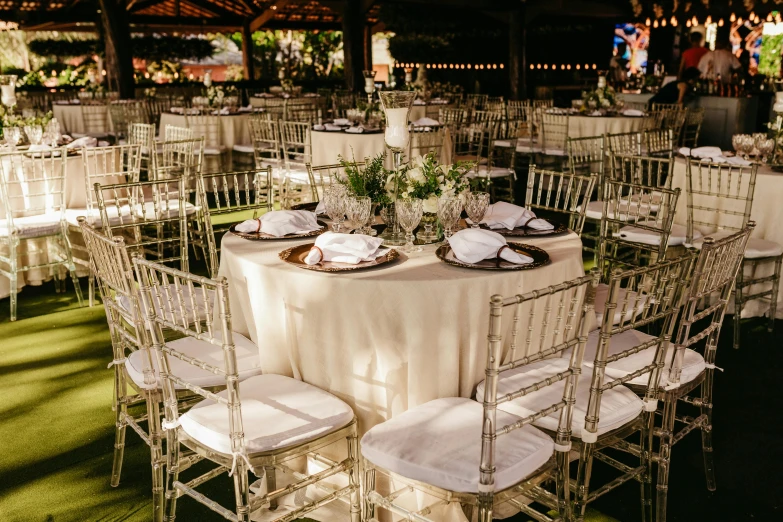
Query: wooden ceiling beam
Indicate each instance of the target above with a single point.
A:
(138, 5)
(267, 15)
(215, 9)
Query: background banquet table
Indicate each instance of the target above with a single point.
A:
(767, 212)
(584, 126)
(327, 145)
(70, 118)
(420, 111)
(383, 340)
(235, 129)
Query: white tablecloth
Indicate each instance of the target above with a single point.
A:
(420, 111)
(382, 340)
(767, 212)
(327, 146)
(585, 126)
(235, 129)
(70, 118)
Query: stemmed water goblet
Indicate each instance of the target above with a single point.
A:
(53, 130)
(334, 202)
(34, 134)
(449, 210)
(765, 148)
(736, 142)
(13, 135)
(476, 204)
(357, 212)
(409, 212)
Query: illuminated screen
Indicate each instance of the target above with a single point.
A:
(637, 39)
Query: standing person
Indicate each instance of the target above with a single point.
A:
(618, 66)
(693, 55)
(676, 92)
(720, 62)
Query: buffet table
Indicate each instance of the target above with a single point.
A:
(383, 340)
(767, 212)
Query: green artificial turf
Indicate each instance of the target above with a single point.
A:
(57, 427)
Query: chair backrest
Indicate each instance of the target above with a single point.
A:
(642, 170)
(95, 117)
(649, 209)
(485, 117)
(561, 192)
(674, 119)
(108, 165)
(553, 319)
(198, 308)
(587, 155)
(451, 116)
(692, 128)
(554, 131)
(226, 193)
(207, 126)
(175, 133)
(639, 297)
(142, 134)
(32, 184)
(712, 282)
(322, 176)
(624, 143)
(658, 141)
(543, 104)
(296, 140)
(720, 196)
(151, 216)
(267, 147)
(177, 158)
(517, 108)
(424, 141)
(469, 144)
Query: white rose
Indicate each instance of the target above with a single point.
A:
(417, 175)
(430, 205)
(605, 103)
(418, 161)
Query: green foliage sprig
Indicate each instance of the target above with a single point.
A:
(369, 182)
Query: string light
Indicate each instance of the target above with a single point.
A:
(757, 19)
(647, 22)
(769, 17)
(532, 66)
(469, 66)
(777, 18)
(695, 21)
(739, 20)
(655, 24)
(709, 19)
(494, 66)
(733, 17)
(554, 67)
(502, 66)
(674, 22)
(663, 22)
(586, 67)
(752, 15)
(103, 72)
(546, 67)
(720, 22)
(687, 23)
(568, 66)
(578, 67)
(594, 66)
(538, 66)
(562, 67)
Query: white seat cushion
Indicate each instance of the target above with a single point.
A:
(526, 145)
(755, 249)
(595, 210)
(245, 149)
(72, 215)
(439, 443)
(277, 412)
(692, 364)
(619, 405)
(214, 151)
(602, 294)
(33, 226)
(647, 237)
(554, 151)
(166, 209)
(502, 143)
(248, 362)
(300, 177)
(493, 173)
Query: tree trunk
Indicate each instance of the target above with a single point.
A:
(119, 57)
(248, 64)
(353, 45)
(517, 62)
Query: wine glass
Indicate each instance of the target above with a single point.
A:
(334, 201)
(476, 204)
(765, 147)
(53, 130)
(388, 215)
(449, 210)
(13, 136)
(357, 212)
(748, 144)
(34, 134)
(736, 142)
(409, 213)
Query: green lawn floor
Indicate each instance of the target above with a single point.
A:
(57, 427)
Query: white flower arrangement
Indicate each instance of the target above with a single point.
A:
(424, 178)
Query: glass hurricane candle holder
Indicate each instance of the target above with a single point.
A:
(369, 84)
(396, 107)
(8, 89)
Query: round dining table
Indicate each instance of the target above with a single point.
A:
(585, 126)
(234, 127)
(71, 119)
(327, 145)
(383, 340)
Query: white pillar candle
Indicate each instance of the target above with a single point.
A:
(601, 82)
(369, 85)
(397, 128)
(8, 96)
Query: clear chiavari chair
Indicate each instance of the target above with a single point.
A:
(32, 210)
(543, 104)
(561, 193)
(629, 143)
(452, 117)
(225, 198)
(424, 141)
(95, 119)
(209, 127)
(175, 133)
(554, 133)
(497, 170)
(674, 119)
(692, 127)
(658, 142)
(473, 450)
(267, 147)
(143, 134)
(178, 158)
(485, 118)
(515, 108)
(322, 176)
(469, 144)
(475, 102)
(496, 104)
(342, 101)
(156, 106)
(306, 419)
(652, 171)
(586, 155)
(296, 141)
(720, 201)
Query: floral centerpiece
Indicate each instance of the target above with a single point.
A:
(217, 95)
(371, 181)
(602, 98)
(426, 179)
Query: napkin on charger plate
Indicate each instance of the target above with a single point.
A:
(633, 112)
(509, 216)
(701, 152)
(332, 127)
(341, 121)
(350, 249)
(83, 142)
(280, 223)
(354, 130)
(474, 244)
(426, 122)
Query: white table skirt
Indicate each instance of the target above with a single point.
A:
(585, 126)
(328, 145)
(235, 131)
(767, 212)
(420, 111)
(382, 340)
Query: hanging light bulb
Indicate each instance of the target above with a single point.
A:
(769, 17)
(578, 66)
(687, 23)
(546, 66)
(647, 22)
(695, 20)
(757, 20)
(674, 21)
(720, 22)
(752, 15)
(709, 20)
(739, 20)
(655, 24)
(663, 22)
(733, 17)
(777, 18)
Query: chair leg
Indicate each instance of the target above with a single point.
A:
(562, 485)
(738, 305)
(172, 475)
(91, 289)
(242, 493)
(368, 487)
(271, 484)
(706, 429)
(156, 455)
(773, 305)
(353, 475)
(664, 458)
(646, 446)
(66, 244)
(13, 289)
(583, 481)
(120, 409)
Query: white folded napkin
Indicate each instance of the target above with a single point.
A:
(354, 130)
(419, 102)
(473, 245)
(509, 216)
(320, 208)
(35, 147)
(736, 160)
(224, 111)
(177, 110)
(351, 249)
(633, 112)
(83, 142)
(281, 223)
(341, 121)
(318, 127)
(425, 122)
(706, 152)
(596, 113)
(311, 95)
(331, 127)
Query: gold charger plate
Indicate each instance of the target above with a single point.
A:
(296, 256)
(529, 232)
(261, 236)
(540, 258)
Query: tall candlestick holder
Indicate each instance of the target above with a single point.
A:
(396, 107)
(369, 85)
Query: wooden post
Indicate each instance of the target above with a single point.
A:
(119, 56)
(517, 62)
(368, 47)
(248, 66)
(353, 44)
